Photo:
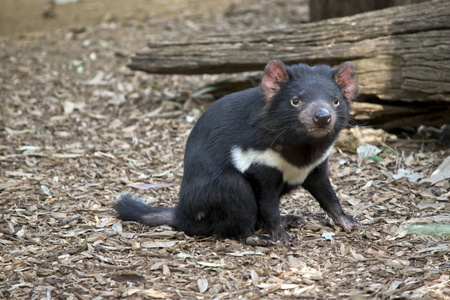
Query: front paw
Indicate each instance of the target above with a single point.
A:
(347, 222)
(287, 243)
(258, 240)
(283, 239)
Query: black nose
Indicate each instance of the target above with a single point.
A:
(322, 117)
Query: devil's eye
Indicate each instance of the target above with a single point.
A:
(295, 101)
(336, 101)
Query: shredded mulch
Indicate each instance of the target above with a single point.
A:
(78, 128)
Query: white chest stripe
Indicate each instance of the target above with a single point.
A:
(242, 160)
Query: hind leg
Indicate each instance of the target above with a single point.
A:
(224, 206)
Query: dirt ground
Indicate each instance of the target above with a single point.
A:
(37, 16)
(78, 128)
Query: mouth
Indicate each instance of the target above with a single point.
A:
(318, 132)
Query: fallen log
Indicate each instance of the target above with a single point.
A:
(400, 53)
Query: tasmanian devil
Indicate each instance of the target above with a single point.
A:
(250, 148)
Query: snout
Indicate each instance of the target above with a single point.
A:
(319, 118)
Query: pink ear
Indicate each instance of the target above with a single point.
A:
(347, 80)
(275, 74)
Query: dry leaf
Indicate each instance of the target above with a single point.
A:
(149, 292)
(202, 285)
(356, 255)
(441, 173)
(254, 276)
(158, 244)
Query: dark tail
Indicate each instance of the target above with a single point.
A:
(133, 209)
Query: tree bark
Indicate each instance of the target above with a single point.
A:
(400, 53)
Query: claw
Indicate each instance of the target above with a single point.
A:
(258, 240)
(282, 238)
(291, 221)
(264, 241)
(347, 222)
(287, 243)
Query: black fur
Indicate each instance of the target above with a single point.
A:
(216, 198)
(130, 209)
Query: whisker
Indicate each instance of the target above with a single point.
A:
(281, 132)
(266, 124)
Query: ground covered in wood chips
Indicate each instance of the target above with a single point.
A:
(77, 128)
